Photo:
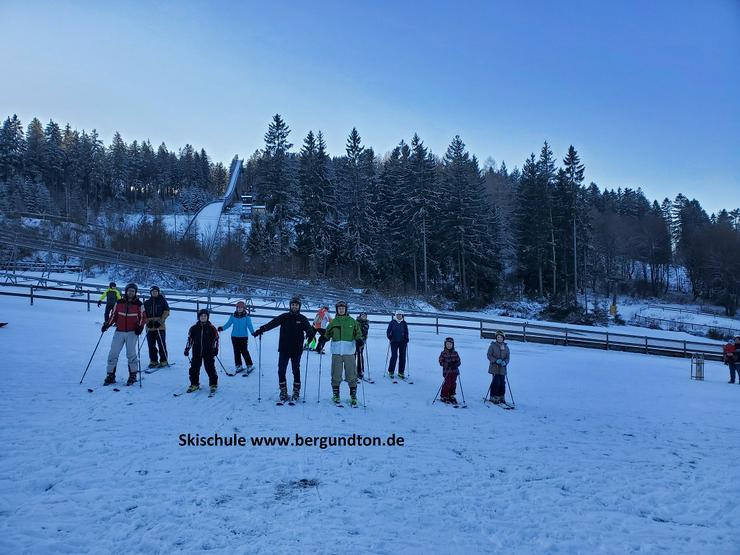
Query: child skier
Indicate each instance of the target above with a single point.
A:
(110, 296)
(346, 338)
(240, 336)
(498, 359)
(203, 338)
(364, 324)
(449, 360)
(732, 358)
(320, 323)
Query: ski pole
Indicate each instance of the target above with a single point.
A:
(367, 359)
(440, 389)
(162, 346)
(459, 380)
(364, 405)
(318, 395)
(138, 357)
(387, 354)
(488, 393)
(506, 377)
(91, 356)
(305, 375)
(221, 363)
(259, 376)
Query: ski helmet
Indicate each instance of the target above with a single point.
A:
(112, 285)
(131, 286)
(342, 303)
(362, 315)
(296, 300)
(203, 311)
(154, 288)
(241, 303)
(450, 340)
(398, 313)
(501, 333)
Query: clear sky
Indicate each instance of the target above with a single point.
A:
(647, 92)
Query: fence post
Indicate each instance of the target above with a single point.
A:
(646, 345)
(481, 328)
(566, 337)
(437, 319)
(197, 305)
(607, 341)
(524, 332)
(684, 349)
(32, 295)
(88, 301)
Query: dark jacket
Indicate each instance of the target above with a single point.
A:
(294, 328)
(364, 328)
(398, 332)
(128, 315)
(449, 360)
(157, 310)
(203, 339)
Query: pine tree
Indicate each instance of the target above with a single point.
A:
(12, 148)
(34, 157)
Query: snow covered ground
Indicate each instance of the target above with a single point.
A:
(607, 452)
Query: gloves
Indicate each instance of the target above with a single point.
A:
(220, 329)
(105, 327)
(320, 344)
(499, 361)
(359, 343)
(257, 333)
(139, 329)
(187, 352)
(99, 303)
(156, 325)
(150, 325)
(215, 352)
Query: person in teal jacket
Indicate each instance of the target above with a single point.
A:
(241, 325)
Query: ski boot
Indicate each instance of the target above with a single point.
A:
(250, 368)
(153, 364)
(131, 379)
(353, 396)
(401, 376)
(296, 392)
(238, 369)
(213, 389)
(192, 388)
(164, 364)
(452, 400)
(391, 375)
(110, 379)
(283, 392)
(335, 396)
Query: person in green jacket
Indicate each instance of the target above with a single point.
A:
(346, 337)
(110, 296)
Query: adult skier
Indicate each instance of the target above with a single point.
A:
(157, 311)
(398, 335)
(242, 327)
(110, 296)
(128, 317)
(346, 337)
(364, 324)
(294, 329)
(203, 339)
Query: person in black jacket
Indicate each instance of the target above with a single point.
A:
(157, 311)
(203, 339)
(398, 335)
(294, 329)
(364, 328)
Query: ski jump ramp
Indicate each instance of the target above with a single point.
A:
(207, 219)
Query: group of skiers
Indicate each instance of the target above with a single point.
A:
(347, 337)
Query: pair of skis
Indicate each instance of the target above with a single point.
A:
(157, 368)
(181, 393)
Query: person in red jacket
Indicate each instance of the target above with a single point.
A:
(128, 317)
(449, 360)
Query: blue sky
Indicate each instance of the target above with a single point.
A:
(647, 92)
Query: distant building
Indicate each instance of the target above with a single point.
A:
(250, 210)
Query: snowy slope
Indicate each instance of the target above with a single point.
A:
(606, 453)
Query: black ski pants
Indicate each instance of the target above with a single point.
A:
(241, 351)
(155, 340)
(209, 361)
(295, 362)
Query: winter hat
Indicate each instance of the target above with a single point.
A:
(398, 313)
(112, 284)
(242, 303)
(342, 303)
(154, 288)
(450, 340)
(203, 311)
(362, 316)
(326, 307)
(131, 286)
(737, 337)
(501, 333)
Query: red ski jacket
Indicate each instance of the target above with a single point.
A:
(128, 315)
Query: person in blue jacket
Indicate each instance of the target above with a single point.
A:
(242, 327)
(398, 335)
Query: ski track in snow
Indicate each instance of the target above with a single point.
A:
(606, 453)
